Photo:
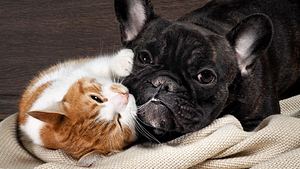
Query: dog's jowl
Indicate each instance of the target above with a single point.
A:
(229, 57)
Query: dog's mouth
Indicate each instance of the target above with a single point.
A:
(158, 118)
(153, 114)
(168, 117)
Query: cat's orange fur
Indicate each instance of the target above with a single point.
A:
(73, 129)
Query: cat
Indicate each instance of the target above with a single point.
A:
(77, 107)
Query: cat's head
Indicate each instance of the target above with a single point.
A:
(94, 116)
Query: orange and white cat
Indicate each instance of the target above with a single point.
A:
(76, 106)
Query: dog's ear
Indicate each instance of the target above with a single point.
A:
(133, 15)
(250, 38)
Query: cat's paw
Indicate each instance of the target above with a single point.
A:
(123, 62)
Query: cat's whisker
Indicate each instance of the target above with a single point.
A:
(114, 78)
(119, 80)
(143, 130)
(141, 121)
(145, 133)
(143, 105)
(140, 109)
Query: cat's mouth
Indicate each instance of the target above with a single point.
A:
(118, 121)
(125, 117)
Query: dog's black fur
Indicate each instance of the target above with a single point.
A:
(229, 57)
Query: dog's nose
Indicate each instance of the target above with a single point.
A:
(165, 83)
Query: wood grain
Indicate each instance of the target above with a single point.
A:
(35, 34)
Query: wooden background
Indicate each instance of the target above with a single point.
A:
(35, 34)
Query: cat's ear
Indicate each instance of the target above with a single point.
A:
(88, 159)
(53, 118)
(52, 115)
(250, 38)
(133, 15)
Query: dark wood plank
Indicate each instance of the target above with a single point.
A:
(35, 34)
(8, 103)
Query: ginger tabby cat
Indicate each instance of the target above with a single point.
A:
(77, 107)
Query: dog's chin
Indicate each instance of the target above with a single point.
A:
(156, 115)
(158, 119)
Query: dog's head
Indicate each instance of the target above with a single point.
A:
(183, 72)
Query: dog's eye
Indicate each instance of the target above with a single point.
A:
(145, 57)
(96, 98)
(206, 76)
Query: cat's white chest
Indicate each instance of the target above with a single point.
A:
(32, 128)
(60, 81)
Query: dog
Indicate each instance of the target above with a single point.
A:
(235, 57)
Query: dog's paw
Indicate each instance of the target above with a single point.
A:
(123, 62)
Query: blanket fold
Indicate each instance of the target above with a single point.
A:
(275, 143)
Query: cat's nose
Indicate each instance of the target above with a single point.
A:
(124, 97)
(122, 92)
(118, 88)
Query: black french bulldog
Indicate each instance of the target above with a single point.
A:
(234, 57)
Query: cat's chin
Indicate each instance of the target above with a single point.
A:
(128, 115)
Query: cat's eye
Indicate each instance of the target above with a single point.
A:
(145, 57)
(96, 98)
(206, 76)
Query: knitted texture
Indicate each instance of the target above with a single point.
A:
(275, 143)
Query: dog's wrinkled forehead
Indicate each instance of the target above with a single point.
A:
(186, 48)
(178, 42)
(185, 38)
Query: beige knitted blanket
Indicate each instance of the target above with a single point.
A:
(223, 144)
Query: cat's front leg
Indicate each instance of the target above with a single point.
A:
(122, 62)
